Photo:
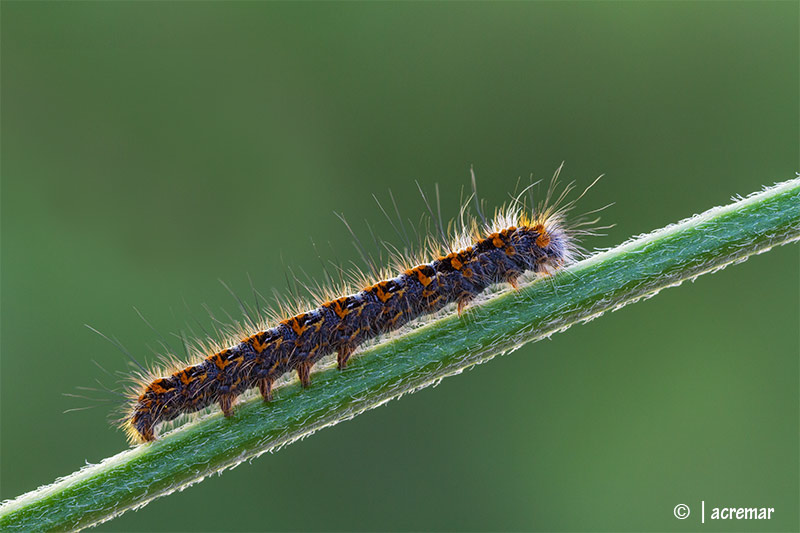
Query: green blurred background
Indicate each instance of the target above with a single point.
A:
(149, 149)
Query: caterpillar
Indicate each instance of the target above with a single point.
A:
(483, 253)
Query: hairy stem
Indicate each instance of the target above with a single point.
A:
(638, 268)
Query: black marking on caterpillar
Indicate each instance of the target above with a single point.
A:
(485, 253)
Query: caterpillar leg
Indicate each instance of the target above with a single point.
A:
(343, 356)
(511, 279)
(226, 402)
(147, 434)
(463, 302)
(303, 371)
(265, 387)
(142, 432)
(140, 426)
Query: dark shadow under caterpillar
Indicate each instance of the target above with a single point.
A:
(341, 325)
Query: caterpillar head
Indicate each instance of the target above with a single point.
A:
(549, 248)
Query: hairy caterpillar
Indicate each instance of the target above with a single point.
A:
(483, 253)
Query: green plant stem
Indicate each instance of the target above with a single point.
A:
(639, 268)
